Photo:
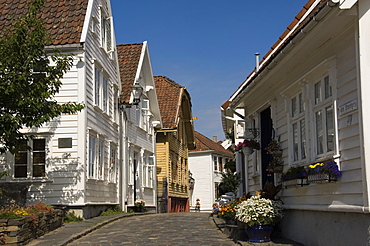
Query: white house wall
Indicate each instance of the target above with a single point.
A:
(100, 191)
(67, 182)
(201, 166)
(336, 52)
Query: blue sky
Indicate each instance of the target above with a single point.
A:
(208, 46)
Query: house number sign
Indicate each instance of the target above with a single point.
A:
(347, 107)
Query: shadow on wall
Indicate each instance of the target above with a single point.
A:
(62, 189)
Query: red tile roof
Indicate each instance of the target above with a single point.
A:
(169, 95)
(64, 19)
(203, 143)
(128, 59)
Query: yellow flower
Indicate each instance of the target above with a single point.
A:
(315, 165)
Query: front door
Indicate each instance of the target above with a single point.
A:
(266, 135)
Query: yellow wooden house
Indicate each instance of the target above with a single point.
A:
(173, 142)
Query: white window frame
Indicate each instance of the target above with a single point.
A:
(313, 103)
(92, 157)
(112, 169)
(215, 163)
(30, 157)
(106, 32)
(101, 89)
(101, 158)
(298, 128)
(322, 101)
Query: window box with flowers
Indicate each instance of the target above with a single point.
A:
(295, 175)
(316, 173)
(323, 172)
(248, 146)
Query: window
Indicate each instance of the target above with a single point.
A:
(92, 159)
(101, 90)
(113, 164)
(143, 115)
(324, 117)
(313, 125)
(96, 164)
(30, 162)
(298, 128)
(174, 168)
(106, 32)
(220, 164)
(215, 163)
(101, 159)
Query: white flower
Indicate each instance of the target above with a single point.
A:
(259, 211)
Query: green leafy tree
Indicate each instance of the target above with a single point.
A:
(29, 78)
(229, 183)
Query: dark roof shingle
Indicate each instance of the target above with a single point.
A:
(128, 60)
(168, 94)
(203, 143)
(64, 19)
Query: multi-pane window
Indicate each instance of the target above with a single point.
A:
(220, 164)
(143, 115)
(313, 129)
(215, 163)
(101, 159)
(298, 128)
(96, 162)
(113, 164)
(30, 162)
(101, 90)
(324, 117)
(92, 159)
(106, 32)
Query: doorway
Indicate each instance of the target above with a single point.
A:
(266, 131)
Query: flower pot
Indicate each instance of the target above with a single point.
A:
(278, 169)
(259, 233)
(247, 150)
(230, 222)
(277, 153)
(139, 209)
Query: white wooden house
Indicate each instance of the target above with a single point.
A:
(206, 164)
(139, 123)
(310, 93)
(80, 153)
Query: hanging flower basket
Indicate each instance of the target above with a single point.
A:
(247, 150)
(278, 169)
(277, 153)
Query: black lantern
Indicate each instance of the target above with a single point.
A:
(137, 92)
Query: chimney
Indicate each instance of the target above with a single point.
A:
(257, 61)
(214, 139)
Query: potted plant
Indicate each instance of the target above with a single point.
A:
(259, 215)
(139, 205)
(227, 212)
(248, 145)
(276, 165)
(273, 148)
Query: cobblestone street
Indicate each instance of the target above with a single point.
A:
(158, 229)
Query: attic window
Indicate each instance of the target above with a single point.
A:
(106, 32)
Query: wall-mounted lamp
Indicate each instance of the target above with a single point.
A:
(137, 91)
